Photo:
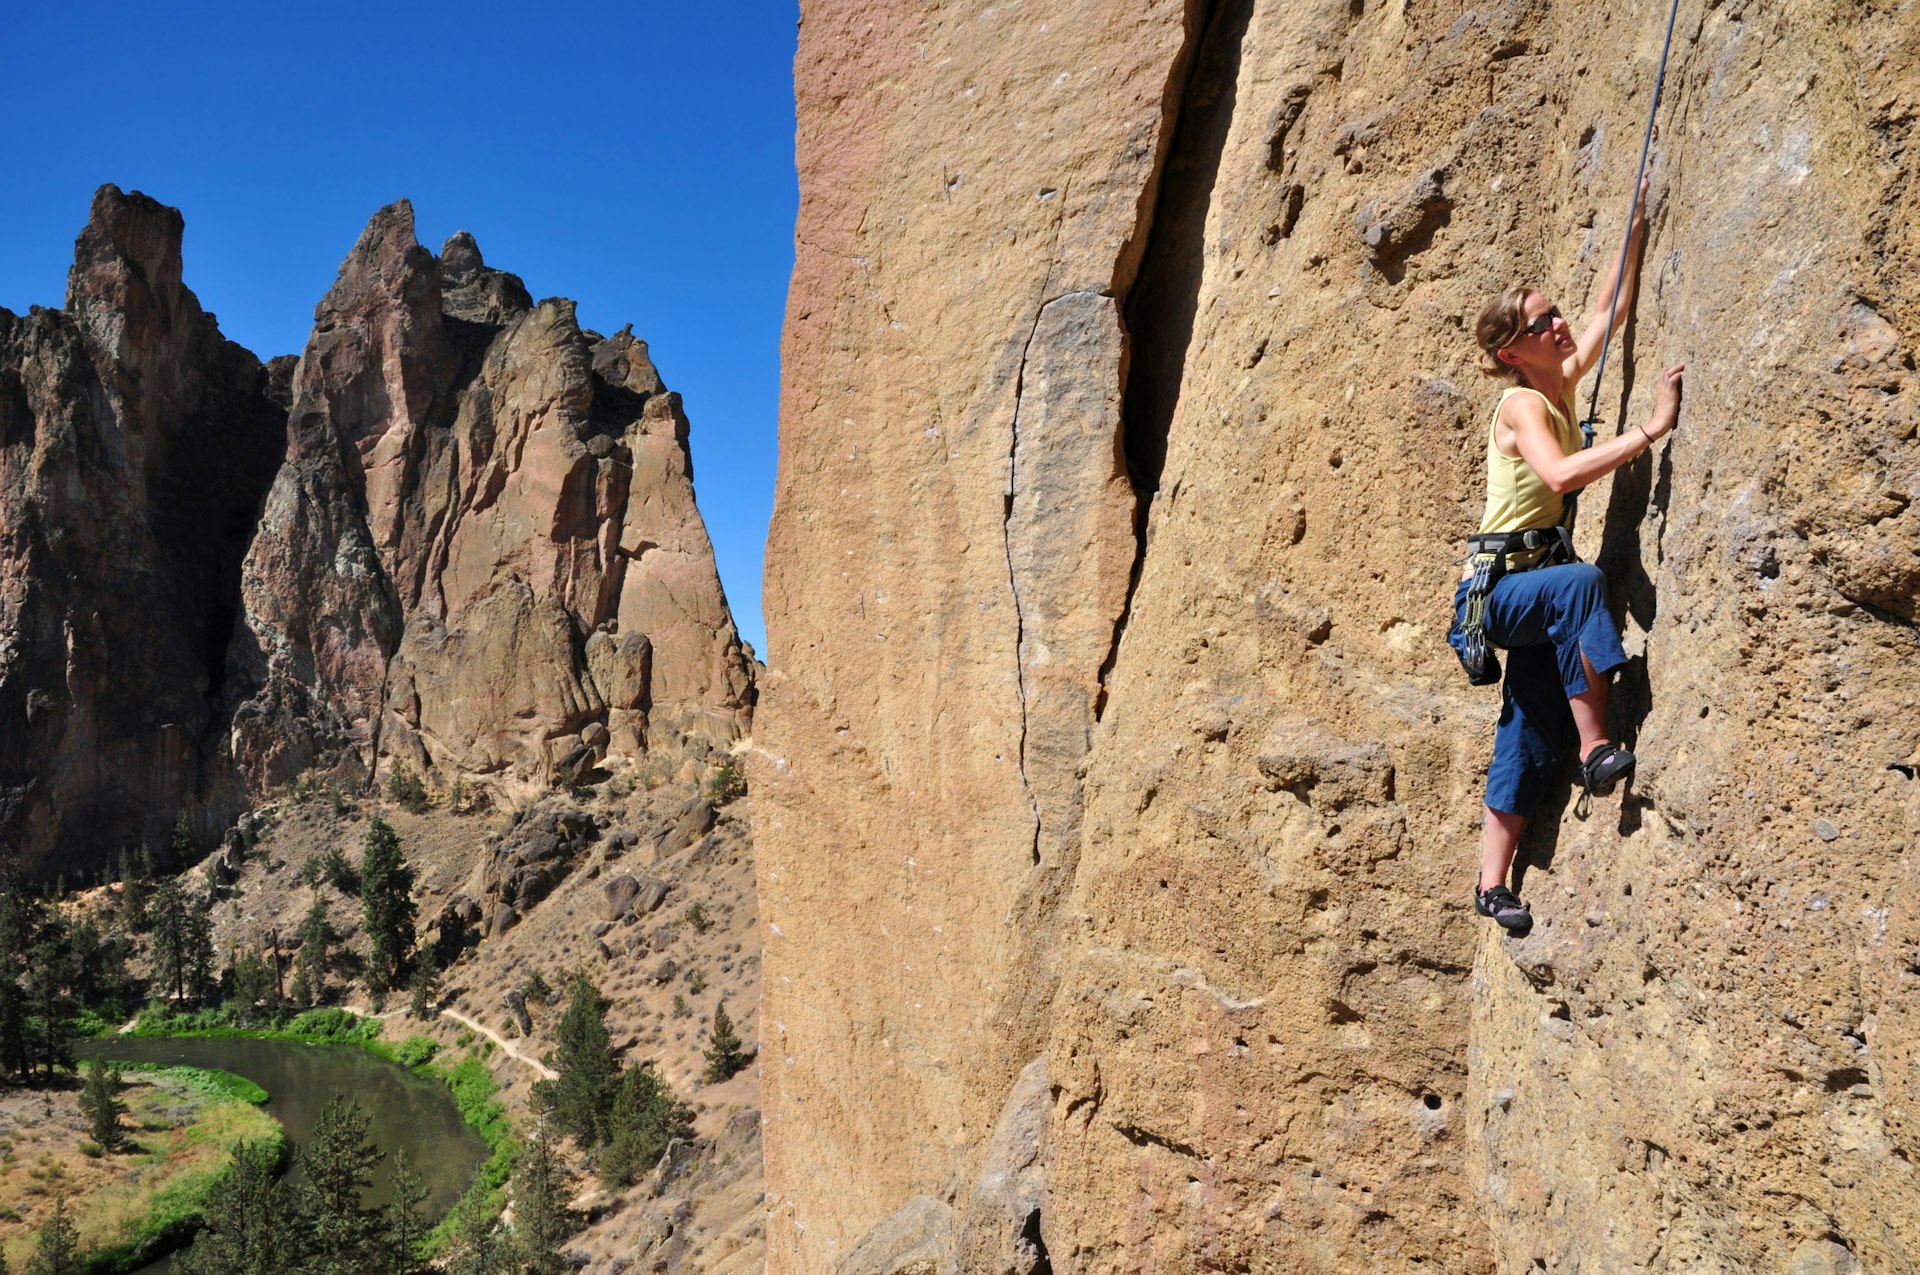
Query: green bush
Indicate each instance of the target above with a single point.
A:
(337, 872)
(415, 1052)
(476, 1097)
(405, 789)
(341, 1026)
(92, 1023)
(160, 1020)
(727, 783)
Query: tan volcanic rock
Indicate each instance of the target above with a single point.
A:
(135, 444)
(487, 513)
(1226, 900)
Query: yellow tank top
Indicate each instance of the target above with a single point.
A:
(1518, 499)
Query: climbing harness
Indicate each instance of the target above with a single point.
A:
(1489, 552)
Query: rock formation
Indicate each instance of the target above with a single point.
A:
(482, 556)
(135, 445)
(1129, 434)
(459, 534)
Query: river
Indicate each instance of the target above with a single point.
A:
(406, 1110)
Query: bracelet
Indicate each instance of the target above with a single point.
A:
(1645, 435)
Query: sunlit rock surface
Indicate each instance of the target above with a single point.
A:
(1192, 815)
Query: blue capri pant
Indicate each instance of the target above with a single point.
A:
(1544, 618)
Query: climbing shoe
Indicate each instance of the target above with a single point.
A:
(1604, 767)
(1498, 902)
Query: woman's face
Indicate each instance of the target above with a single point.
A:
(1545, 328)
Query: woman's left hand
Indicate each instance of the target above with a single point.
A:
(1640, 210)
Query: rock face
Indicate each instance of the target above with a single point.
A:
(135, 445)
(482, 556)
(1192, 813)
(457, 536)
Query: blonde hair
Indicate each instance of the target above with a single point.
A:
(1498, 325)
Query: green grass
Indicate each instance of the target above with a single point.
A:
(171, 1220)
(90, 1023)
(207, 1080)
(125, 1226)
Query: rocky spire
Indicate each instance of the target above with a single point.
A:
(135, 445)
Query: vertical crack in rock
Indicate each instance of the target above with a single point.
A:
(1094, 396)
(1013, 572)
(1164, 296)
(1070, 547)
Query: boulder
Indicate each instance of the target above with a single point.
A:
(627, 895)
(516, 1004)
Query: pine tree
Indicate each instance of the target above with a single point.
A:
(49, 973)
(93, 965)
(478, 1246)
(406, 1218)
(642, 1120)
(136, 885)
(386, 891)
(310, 967)
(252, 996)
(250, 1224)
(425, 986)
(17, 915)
(181, 845)
(542, 1221)
(301, 993)
(58, 1252)
(202, 961)
(101, 1103)
(589, 1073)
(338, 1165)
(168, 915)
(724, 1054)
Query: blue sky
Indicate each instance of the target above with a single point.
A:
(636, 157)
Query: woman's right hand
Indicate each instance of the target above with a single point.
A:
(1666, 401)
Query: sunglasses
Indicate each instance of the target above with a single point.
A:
(1540, 324)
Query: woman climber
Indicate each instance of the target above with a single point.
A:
(1525, 590)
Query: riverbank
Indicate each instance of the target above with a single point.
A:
(131, 1204)
(469, 1081)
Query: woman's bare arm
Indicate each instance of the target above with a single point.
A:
(1618, 284)
(1523, 417)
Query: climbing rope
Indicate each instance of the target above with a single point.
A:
(1588, 427)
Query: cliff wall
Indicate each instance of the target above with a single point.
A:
(135, 445)
(482, 557)
(457, 535)
(1117, 796)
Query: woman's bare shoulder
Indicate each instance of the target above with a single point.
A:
(1523, 403)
